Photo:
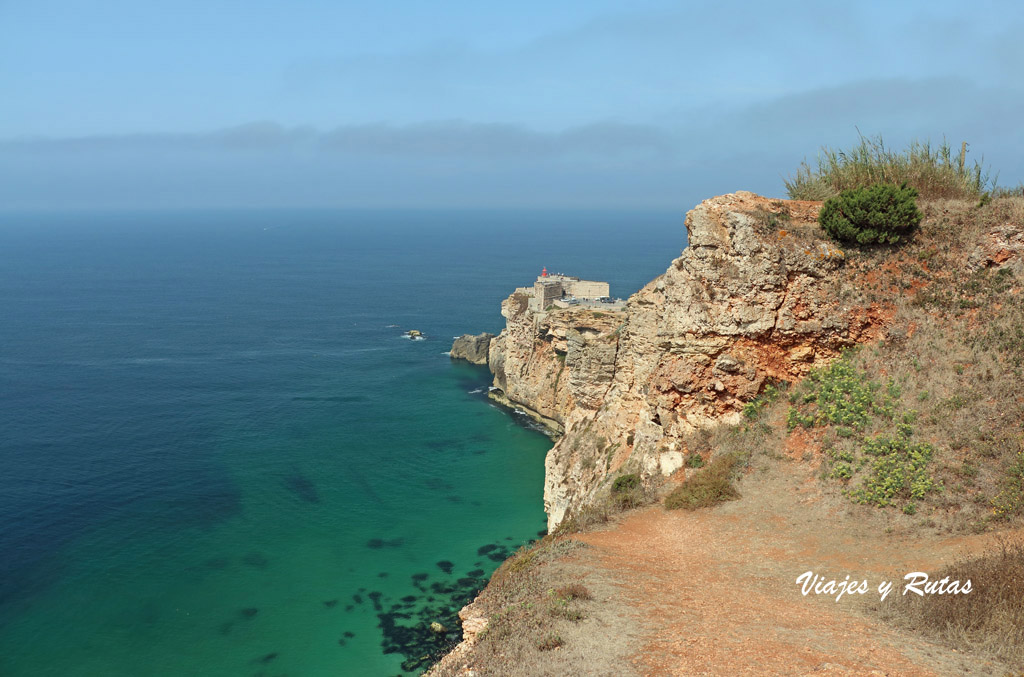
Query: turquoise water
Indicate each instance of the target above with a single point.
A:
(220, 457)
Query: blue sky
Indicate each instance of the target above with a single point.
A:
(466, 104)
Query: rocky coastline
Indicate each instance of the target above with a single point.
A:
(758, 296)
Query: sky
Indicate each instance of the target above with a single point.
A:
(576, 104)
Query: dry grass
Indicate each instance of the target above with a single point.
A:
(709, 486)
(574, 591)
(536, 608)
(935, 171)
(990, 619)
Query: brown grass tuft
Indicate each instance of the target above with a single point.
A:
(710, 486)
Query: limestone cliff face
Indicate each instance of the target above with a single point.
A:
(757, 295)
(472, 348)
(554, 363)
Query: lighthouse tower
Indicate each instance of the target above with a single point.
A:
(544, 273)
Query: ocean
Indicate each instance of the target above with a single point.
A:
(221, 457)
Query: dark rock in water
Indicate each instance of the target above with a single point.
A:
(484, 549)
(225, 628)
(249, 612)
(269, 657)
(542, 533)
(413, 633)
(453, 499)
(476, 573)
(472, 348)
(303, 487)
(349, 607)
(443, 588)
(375, 596)
(334, 398)
(446, 566)
(255, 559)
(331, 603)
(478, 452)
(382, 574)
(342, 641)
(508, 538)
(414, 664)
(497, 556)
(358, 599)
(349, 634)
(378, 543)
(441, 445)
(439, 484)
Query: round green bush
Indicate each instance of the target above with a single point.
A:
(624, 483)
(883, 214)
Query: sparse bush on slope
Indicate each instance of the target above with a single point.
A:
(709, 486)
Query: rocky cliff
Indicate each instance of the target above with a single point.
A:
(758, 296)
(553, 363)
(472, 348)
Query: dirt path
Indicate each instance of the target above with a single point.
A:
(715, 590)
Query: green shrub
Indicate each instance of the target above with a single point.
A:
(627, 492)
(694, 460)
(843, 396)
(899, 471)
(711, 485)
(624, 483)
(771, 392)
(883, 214)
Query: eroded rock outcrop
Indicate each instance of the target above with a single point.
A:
(1001, 246)
(473, 622)
(758, 295)
(472, 348)
(552, 363)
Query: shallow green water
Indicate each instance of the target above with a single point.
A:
(221, 457)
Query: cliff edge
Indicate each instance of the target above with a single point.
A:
(757, 296)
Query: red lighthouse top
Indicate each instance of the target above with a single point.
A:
(544, 273)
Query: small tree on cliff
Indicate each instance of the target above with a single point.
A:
(883, 214)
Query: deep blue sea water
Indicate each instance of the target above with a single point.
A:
(218, 455)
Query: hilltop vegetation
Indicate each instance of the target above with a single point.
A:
(936, 172)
